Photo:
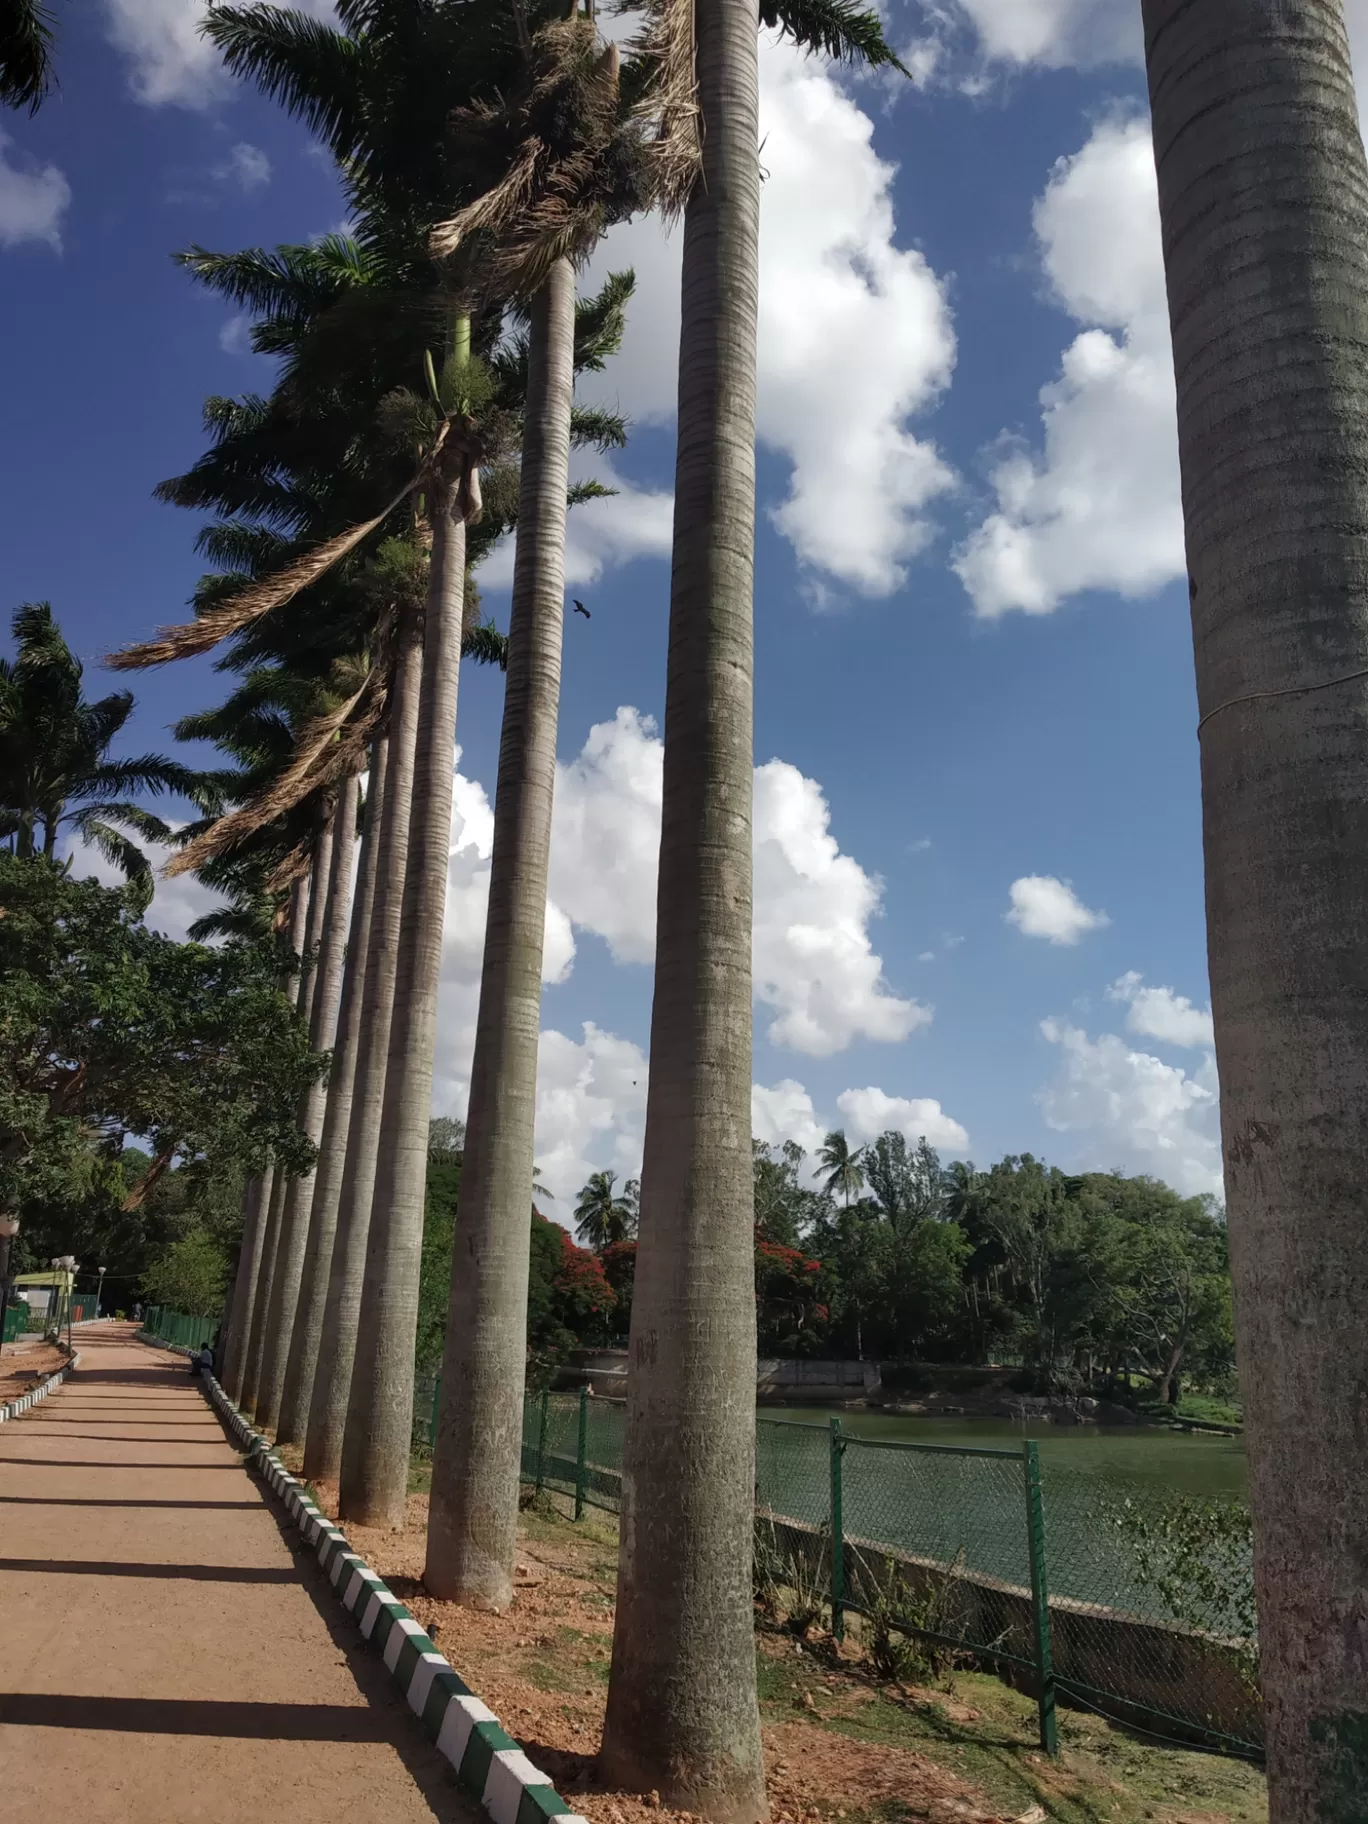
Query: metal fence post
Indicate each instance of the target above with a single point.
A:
(541, 1438)
(838, 1588)
(1040, 1600)
(581, 1452)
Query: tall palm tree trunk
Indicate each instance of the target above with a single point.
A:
(337, 1347)
(473, 1515)
(682, 1716)
(254, 1326)
(375, 1449)
(293, 1421)
(294, 1229)
(1263, 194)
(255, 1205)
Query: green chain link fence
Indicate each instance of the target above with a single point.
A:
(16, 1322)
(1129, 1600)
(177, 1327)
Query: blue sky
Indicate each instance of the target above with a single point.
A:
(979, 898)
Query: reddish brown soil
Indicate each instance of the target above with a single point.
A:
(542, 1667)
(24, 1364)
(165, 1651)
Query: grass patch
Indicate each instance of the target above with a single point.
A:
(985, 1732)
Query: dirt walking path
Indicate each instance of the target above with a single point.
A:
(165, 1651)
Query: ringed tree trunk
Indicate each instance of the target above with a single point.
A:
(293, 1420)
(682, 1716)
(294, 1229)
(255, 1204)
(1263, 196)
(337, 1346)
(473, 1514)
(375, 1450)
(306, 892)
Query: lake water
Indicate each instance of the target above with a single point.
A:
(1196, 1463)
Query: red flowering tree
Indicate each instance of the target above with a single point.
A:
(788, 1307)
(569, 1301)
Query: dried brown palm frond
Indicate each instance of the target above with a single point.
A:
(249, 604)
(669, 106)
(497, 207)
(572, 164)
(316, 764)
(292, 866)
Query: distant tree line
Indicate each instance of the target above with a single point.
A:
(1093, 1282)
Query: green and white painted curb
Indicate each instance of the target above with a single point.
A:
(17, 1408)
(489, 1764)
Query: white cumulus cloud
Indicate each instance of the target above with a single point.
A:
(1096, 504)
(169, 62)
(817, 976)
(870, 1111)
(1133, 1112)
(784, 1111)
(1043, 906)
(1161, 1013)
(815, 964)
(855, 333)
(1057, 34)
(33, 200)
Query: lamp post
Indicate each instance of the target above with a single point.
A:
(99, 1288)
(9, 1228)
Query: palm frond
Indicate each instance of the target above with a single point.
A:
(591, 428)
(601, 320)
(225, 618)
(118, 850)
(25, 55)
(299, 779)
(136, 816)
(485, 645)
(316, 73)
(581, 491)
(840, 29)
(147, 773)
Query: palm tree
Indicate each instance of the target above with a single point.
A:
(563, 137)
(331, 1392)
(962, 1188)
(843, 1168)
(25, 54)
(297, 1392)
(682, 1715)
(602, 1215)
(373, 1488)
(257, 1256)
(1263, 198)
(323, 1018)
(55, 768)
(312, 919)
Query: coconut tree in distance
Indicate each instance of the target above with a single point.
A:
(1263, 200)
(56, 772)
(604, 1215)
(682, 1714)
(842, 1165)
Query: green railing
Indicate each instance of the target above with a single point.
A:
(1122, 1597)
(16, 1321)
(177, 1327)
